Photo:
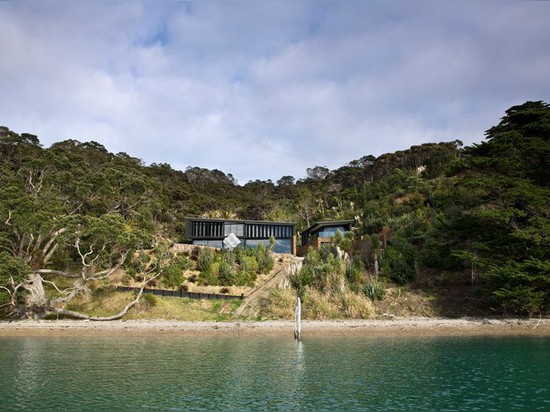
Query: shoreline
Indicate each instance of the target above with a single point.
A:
(414, 326)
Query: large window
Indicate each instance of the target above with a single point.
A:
(281, 245)
(236, 228)
(211, 243)
(331, 231)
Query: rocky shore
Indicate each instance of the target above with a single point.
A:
(375, 327)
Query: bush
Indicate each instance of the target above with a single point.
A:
(354, 272)
(355, 306)
(205, 259)
(249, 265)
(148, 300)
(172, 273)
(264, 259)
(210, 275)
(374, 290)
(396, 266)
(521, 288)
(280, 303)
(226, 274)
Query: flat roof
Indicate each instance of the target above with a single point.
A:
(261, 222)
(319, 225)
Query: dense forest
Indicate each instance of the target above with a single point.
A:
(434, 215)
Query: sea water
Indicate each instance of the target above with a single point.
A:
(211, 373)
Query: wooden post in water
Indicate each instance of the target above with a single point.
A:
(298, 316)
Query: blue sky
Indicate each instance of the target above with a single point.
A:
(264, 89)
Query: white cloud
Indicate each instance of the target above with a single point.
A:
(266, 89)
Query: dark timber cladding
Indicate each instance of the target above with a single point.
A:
(211, 232)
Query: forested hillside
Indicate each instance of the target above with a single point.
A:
(434, 215)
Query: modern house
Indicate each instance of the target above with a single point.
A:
(322, 232)
(212, 232)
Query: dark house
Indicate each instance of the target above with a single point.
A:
(321, 232)
(212, 232)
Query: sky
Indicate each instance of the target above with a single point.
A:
(265, 89)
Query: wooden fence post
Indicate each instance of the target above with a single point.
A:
(298, 316)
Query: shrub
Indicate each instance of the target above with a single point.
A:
(226, 274)
(249, 265)
(374, 290)
(396, 266)
(205, 259)
(354, 272)
(172, 276)
(264, 259)
(148, 300)
(280, 303)
(172, 273)
(319, 306)
(355, 306)
(210, 276)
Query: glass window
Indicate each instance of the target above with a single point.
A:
(331, 231)
(256, 242)
(283, 246)
(236, 228)
(211, 243)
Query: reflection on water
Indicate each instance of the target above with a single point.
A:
(254, 374)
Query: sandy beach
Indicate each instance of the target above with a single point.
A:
(375, 327)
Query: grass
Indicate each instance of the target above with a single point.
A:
(108, 302)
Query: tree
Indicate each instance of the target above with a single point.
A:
(317, 172)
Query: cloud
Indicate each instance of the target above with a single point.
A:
(266, 89)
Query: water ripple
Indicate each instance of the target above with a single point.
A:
(275, 374)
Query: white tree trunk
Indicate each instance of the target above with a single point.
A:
(35, 287)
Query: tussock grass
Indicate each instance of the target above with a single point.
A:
(109, 302)
(356, 306)
(280, 304)
(317, 305)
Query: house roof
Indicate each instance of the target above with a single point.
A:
(261, 222)
(331, 223)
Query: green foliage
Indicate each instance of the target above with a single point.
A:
(210, 275)
(521, 288)
(264, 258)
(12, 269)
(374, 290)
(76, 207)
(138, 264)
(354, 272)
(172, 273)
(205, 259)
(396, 265)
(322, 270)
(149, 300)
(13, 272)
(226, 274)
(248, 271)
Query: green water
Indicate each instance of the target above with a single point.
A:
(275, 374)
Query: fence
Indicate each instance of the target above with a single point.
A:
(182, 293)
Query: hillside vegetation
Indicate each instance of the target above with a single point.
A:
(466, 227)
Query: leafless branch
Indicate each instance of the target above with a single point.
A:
(78, 315)
(83, 256)
(7, 222)
(64, 291)
(58, 273)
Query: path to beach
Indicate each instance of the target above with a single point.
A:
(378, 327)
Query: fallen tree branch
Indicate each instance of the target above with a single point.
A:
(78, 315)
